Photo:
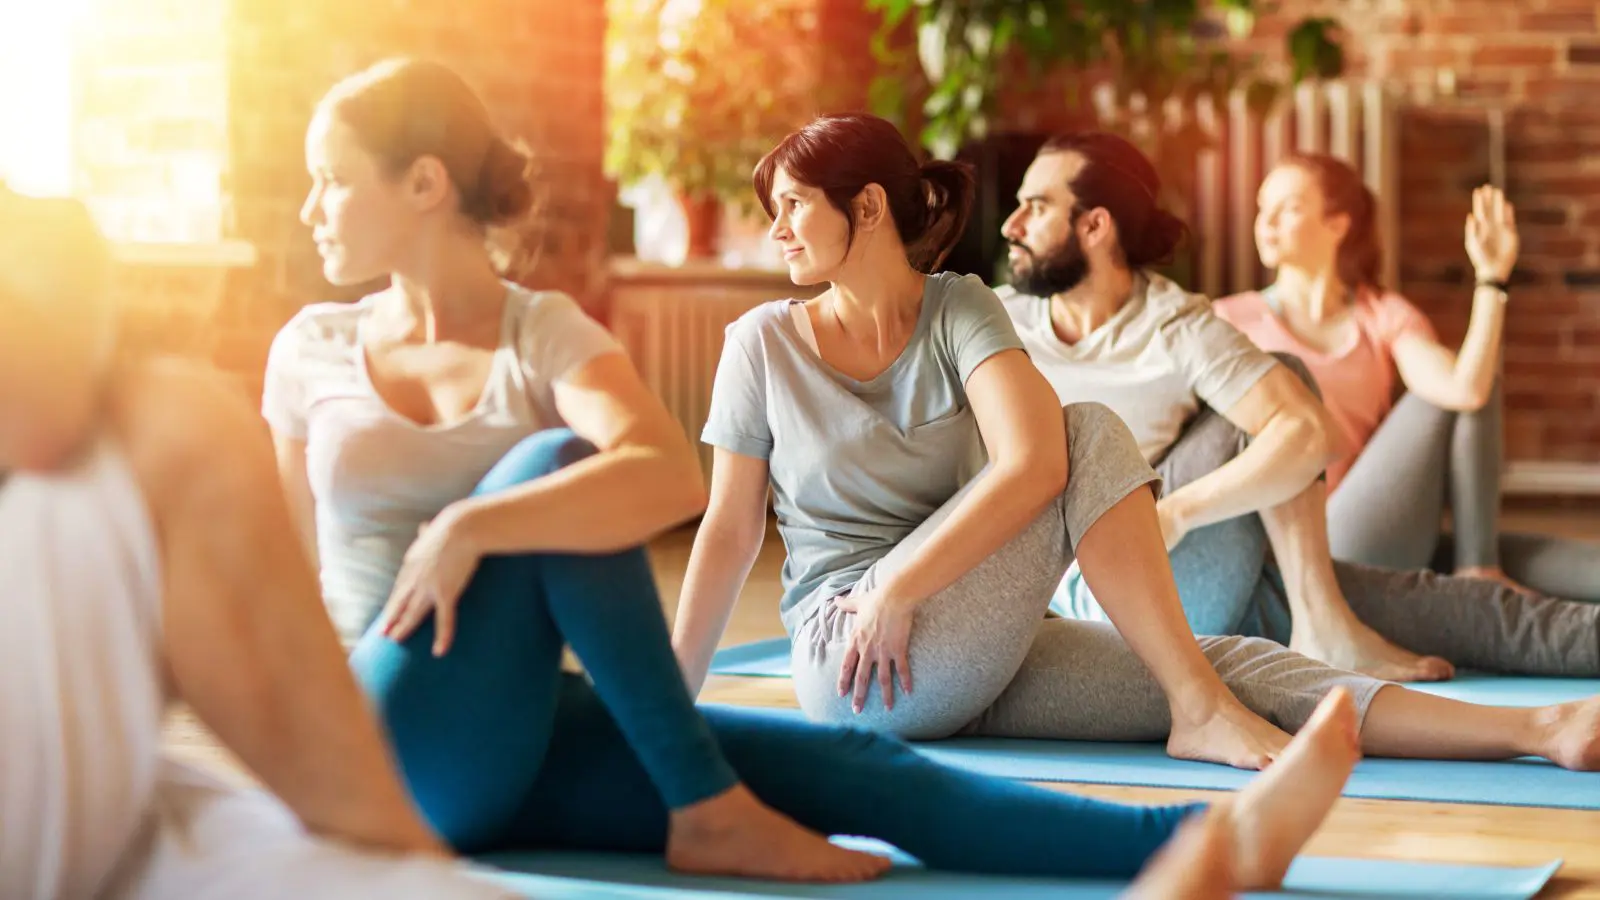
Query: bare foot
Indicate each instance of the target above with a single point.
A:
(1233, 736)
(1353, 646)
(1496, 574)
(1277, 813)
(1197, 864)
(1573, 734)
(733, 833)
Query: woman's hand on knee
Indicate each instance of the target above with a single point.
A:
(432, 578)
(881, 640)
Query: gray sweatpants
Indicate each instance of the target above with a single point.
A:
(1388, 509)
(986, 661)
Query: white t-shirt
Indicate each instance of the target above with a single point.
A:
(376, 475)
(1154, 362)
(83, 695)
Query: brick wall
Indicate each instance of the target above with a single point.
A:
(538, 66)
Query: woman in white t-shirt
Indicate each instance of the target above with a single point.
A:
(482, 459)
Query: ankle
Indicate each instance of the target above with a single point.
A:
(1537, 734)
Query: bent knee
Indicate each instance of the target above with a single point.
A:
(536, 456)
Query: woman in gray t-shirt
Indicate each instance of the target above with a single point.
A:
(915, 593)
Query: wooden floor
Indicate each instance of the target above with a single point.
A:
(1386, 829)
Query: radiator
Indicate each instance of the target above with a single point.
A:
(671, 321)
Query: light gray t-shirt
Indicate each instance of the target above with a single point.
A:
(855, 466)
(1154, 362)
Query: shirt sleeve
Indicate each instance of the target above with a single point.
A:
(1222, 363)
(737, 421)
(1398, 318)
(283, 394)
(558, 338)
(977, 325)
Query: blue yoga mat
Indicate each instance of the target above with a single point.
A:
(588, 876)
(770, 659)
(1520, 782)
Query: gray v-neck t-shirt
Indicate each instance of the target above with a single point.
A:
(855, 466)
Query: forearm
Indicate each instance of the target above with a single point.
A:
(996, 510)
(609, 502)
(719, 566)
(1298, 533)
(1279, 464)
(1479, 360)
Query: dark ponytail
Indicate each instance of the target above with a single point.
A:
(842, 154)
(949, 187)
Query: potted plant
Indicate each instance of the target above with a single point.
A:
(696, 92)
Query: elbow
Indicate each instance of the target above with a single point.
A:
(1040, 475)
(1315, 438)
(1471, 398)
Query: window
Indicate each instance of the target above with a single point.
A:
(122, 103)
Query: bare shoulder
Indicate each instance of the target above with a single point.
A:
(187, 428)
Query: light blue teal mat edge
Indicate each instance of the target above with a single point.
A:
(585, 876)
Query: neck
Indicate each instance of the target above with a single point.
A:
(1075, 314)
(1316, 294)
(879, 301)
(446, 288)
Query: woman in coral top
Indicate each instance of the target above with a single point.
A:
(1316, 226)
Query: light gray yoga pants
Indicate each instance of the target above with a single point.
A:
(986, 661)
(1388, 509)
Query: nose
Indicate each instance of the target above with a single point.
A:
(1011, 229)
(311, 210)
(779, 229)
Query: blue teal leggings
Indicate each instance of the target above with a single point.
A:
(504, 752)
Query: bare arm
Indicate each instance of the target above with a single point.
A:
(725, 548)
(248, 644)
(1463, 381)
(1292, 442)
(644, 480)
(1457, 381)
(291, 454)
(1025, 433)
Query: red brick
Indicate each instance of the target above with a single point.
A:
(1574, 21)
(1535, 55)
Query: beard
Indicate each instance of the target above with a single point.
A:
(1049, 274)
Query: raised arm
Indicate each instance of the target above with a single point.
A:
(725, 548)
(1463, 381)
(247, 642)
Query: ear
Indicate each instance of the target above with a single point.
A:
(1338, 224)
(427, 183)
(871, 207)
(1096, 229)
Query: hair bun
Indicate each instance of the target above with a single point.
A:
(504, 191)
(1162, 235)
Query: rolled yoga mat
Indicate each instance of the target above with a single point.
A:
(589, 876)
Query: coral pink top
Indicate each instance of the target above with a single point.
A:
(1358, 379)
